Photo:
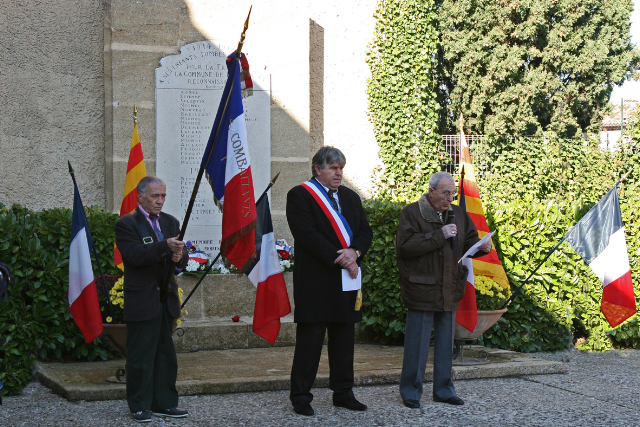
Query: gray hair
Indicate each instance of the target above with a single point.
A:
(437, 177)
(327, 155)
(146, 181)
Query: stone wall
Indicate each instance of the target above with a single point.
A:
(52, 102)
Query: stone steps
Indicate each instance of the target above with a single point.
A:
(208, 324)
(220, 297)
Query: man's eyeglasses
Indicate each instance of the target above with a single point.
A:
(448, 194)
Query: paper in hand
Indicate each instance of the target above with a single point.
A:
(473, 249)
(349, 284)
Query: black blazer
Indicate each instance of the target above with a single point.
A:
(317, 281)
(145, 267)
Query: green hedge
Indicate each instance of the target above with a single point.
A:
(382, 308)
(34, 319)
(559, 305)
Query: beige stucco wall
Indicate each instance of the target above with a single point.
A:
(71, 74)
(51, 102)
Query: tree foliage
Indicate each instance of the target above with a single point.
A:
(402, 96)
(531, 66)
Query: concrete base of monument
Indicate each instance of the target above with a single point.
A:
(208, 324)
(269, 368)
(222, 334)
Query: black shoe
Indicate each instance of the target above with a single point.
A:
(171, 412)
(142, 416)
(351, 403)
(413, 404)
(303, 408)
(451, 401)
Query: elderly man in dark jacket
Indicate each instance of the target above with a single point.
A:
(148, 242)
(331, 234)
(432, 236)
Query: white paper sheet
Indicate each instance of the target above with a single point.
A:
(349, 284)
(473, 249)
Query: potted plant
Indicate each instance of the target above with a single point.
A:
(490, 297)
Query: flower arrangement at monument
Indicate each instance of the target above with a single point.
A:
(115, 292)
(115, 289)
(198, 261)
(285, 255)
(490, 295)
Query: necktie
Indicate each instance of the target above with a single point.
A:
(333, 200)
(156, 228)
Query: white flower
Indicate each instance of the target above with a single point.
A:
(223, 269)
(192, 265)
(284, 264)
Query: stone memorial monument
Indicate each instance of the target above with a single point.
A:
(188, 91)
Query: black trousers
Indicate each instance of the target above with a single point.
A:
(306, 358)
(152, 365)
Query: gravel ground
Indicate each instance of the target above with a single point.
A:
(600, 389)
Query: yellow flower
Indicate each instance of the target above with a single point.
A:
(178, 321)
(122, 305)
(109, 319)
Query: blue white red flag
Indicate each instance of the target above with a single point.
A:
(228, 167)
(83, 297)
(599, 239)
(272, 300)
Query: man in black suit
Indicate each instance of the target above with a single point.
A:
(145, 240)
(320, 214)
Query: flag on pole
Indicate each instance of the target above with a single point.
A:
(272, 299)
(228, 167)
(83, 297)
(486, 265)
(135, 172)
(599, 239)
(467, 313)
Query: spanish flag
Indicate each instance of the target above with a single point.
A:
(135, 172)
(489, 264)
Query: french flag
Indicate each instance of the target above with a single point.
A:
(83, 297)
(272, 299)
(228, 167)
(467, 313)
(599, 239)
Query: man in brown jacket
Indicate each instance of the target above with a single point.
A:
(432, 236)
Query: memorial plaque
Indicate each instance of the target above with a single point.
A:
(188, 91)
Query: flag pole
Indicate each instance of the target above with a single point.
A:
(93, 247)
(264, 194)
(625, 175)
(513, 295)
(196, 185)
(549, 254)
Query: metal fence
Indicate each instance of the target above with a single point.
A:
(479, 151)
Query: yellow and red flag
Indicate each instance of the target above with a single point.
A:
(486, 265)
(135, 172)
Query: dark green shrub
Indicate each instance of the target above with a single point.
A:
(34, 319)
(382, 308)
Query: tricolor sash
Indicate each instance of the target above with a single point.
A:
(338, 222)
